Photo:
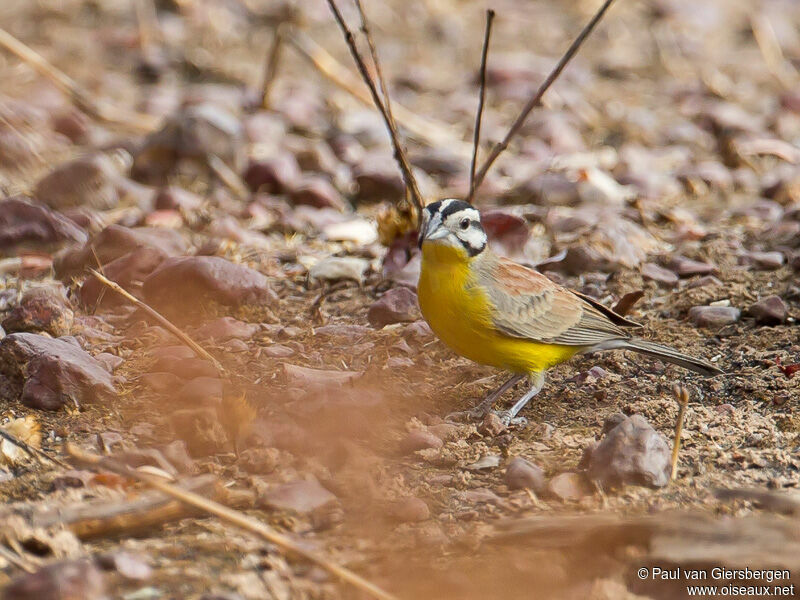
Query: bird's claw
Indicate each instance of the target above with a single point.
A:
(508, 421)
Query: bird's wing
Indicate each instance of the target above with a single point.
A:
(528, 305)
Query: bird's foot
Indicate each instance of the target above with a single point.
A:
(509, 421)
(467, 416)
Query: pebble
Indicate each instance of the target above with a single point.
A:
(48, 373)
(23, 223)
(44, 308)
(109, 361)
(181, 288)
(764, 260)
(178, 456)
(127, 271)
(398, 305)
(303, 496)
(409, 510)
(769, 311)
(568, 486)
(704, 281)
(419, 439)
(319, 193)
(259, 461)
(378, 179)
(86, 181)
(714, 317)
(686, 267)
(277, 175)
(660, 275)
(399, 362)
(358, 231)
(337, 268)
(131, 566)
(492, 425)
(116, 241)
(308, 379)
(226, 328)
(632, 452)
(277, 351)
(59, 581)
(521, 474)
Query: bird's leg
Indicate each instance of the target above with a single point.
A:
(537, 383)
(479, 411)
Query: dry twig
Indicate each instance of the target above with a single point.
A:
(235, 517)
(273, 59)
(199, 350)
(682, 396)
(399, 154)
(228, 176)
(476, 139)
(32, 451)
(101, 111)
(537, 97)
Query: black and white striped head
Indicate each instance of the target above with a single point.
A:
(455, 223)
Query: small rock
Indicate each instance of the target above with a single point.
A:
(259, 461)
(409, 510)
(399, 362)
(522, 474)
(277, 351)
(131, 566)
(42, 309)
(319, 193)
(446, 432)
(160, 383)
(396, 306)
(686, 267)
(419, 439)
(568, 486)
(201, 429)
(769, 311)
(109, 361)
(492, 425)
(177, 454)
(127, 271)
(183, 288)
(116, 241)
(489, 461)
(631, 453)
(660, 275)
(276, 175)
(226, 328)
(47, 373)
(176, 198)
(704, 281)
(304, 496)
(316, 379)
(24, 224)
(186, 368)
(191, 134)
(713, 317)
(66, 580)
(764, 260)
(418, 331)
(87, 181)
(72, 479)
(337, 268)
(479, 496)
(358, 231)
(378, 179)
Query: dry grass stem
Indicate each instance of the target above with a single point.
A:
(199, 350)
(537, 97)
(476, 138)
(682, 396)
(33, 452)
(228, 176)
(272, 62)
(399, 154)
(139, 122)
(229, 515)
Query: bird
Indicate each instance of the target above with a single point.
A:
(497, 312)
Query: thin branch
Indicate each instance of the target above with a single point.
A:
(537, 97)
(387, 101)
(476, 139)
(399, 155)
(139, 122)
(235, 517)
(682, 396)
(228, 176)
(273, 59)
(199, 350)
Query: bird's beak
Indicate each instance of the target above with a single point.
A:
(435, 233)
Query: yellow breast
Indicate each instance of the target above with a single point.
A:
(460, 313)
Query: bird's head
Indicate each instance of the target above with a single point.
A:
(453, 224)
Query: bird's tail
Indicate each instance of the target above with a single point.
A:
(665, 353)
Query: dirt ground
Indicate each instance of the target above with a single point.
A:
(674, 135)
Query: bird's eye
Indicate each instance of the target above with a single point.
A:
(464, 224)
